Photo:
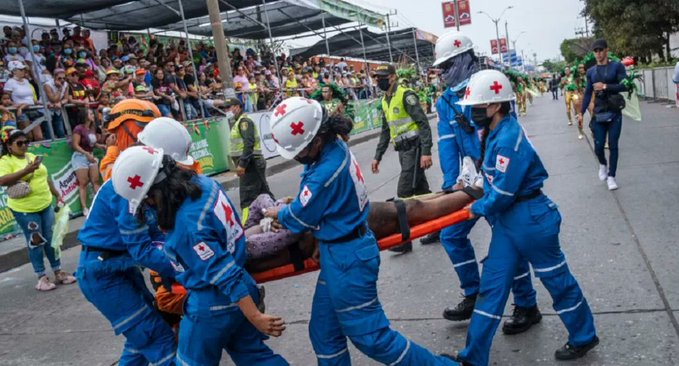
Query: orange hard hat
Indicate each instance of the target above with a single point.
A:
(132, 109)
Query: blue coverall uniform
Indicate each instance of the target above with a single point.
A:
(115, 245)
(333, 204)
(207, 248)
(454, 144)
(526, 225)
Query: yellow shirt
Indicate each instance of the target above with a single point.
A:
(40, 197)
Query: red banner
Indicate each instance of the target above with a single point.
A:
(503, 46)
(464, 13)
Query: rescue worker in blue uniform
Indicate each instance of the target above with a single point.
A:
(207, 249)
(114, 246)
(525, 225)
(459, 138)
(332, 204)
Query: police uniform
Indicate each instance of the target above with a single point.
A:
(333, 205)
(526, 224)
(207, 247)
(114, 246)
(406, 125)
(246, 150)
(458, 137)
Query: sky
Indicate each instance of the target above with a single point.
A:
(545, 22)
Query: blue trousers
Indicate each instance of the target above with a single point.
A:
(39, 223)
(461, 253)
(613, 129)
(346, 305)
(117, 289)
(208, 327)
(528, 230)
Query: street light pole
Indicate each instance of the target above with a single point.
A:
(497, 31)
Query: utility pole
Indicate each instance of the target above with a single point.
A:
(457, 15)
(509, 52)
(223, 58)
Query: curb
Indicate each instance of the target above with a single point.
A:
(19, 256)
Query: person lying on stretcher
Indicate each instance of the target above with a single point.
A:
(270, 246)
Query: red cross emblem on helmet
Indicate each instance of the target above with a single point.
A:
(457, 43)
(297, 128)
(280, 110)
(496, 87)
(135, 182)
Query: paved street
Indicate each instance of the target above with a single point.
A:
(621, 246)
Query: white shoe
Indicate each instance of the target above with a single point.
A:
(612, 185)
(603, 172)
(44, 284)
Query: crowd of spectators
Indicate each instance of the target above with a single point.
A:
(64, 71)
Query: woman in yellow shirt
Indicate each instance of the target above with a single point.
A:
(33, 211)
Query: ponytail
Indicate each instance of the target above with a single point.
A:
(337, 124)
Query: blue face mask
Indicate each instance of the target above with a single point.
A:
(82, 54)
(36, 48)
(68, 51)
(12, 50)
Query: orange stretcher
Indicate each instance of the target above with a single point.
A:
(388, 242)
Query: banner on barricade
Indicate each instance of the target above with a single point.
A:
(210, 145)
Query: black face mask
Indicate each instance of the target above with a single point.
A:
(305, 160)
(383, 84)
(480, 117)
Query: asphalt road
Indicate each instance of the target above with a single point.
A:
(621, 246)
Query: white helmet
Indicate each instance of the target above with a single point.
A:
(134, 172)
(171, 136)
(294, 123)
(449, 45)
(488, 86)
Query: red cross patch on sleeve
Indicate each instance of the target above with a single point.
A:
(501, 163)
(305, 195)
(203, 250)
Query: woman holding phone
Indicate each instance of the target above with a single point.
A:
(30, 193)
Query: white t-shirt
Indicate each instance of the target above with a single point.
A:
(22, 92)
(14, 57)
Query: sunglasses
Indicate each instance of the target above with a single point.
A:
(22, 143)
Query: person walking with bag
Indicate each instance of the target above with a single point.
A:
(604, 80)
(30, 193)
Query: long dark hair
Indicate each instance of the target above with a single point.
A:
(171, 192)
(7, 140)
(335, 124)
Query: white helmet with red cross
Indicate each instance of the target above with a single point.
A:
(488, 86)
(171, 136)
(294, 123)
(134, 172)
(449, 45)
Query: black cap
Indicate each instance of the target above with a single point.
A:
(385, 70)
(599, 43)
(230, 102)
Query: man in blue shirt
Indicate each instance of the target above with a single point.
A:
(605, 81)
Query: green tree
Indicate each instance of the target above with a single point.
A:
(554, 65)
(639, 28)
(575, 48)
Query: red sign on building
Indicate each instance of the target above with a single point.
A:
(464, 13)
(503, 46)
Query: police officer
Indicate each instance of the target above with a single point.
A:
(207, 249)
(525, 224)
(406, 125)
(246, 152)
(459, 139)
(333, 205)
(114, 246)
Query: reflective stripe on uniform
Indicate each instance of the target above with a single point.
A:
(221, 273)
(559, 312)
(488, 315)
(135, 231)
(364, 305)
(548, 269)
(325, 357)
(130, 318)
(446, 137)
(403, 354)
(464, 263)
(163, 360)
(522, 275)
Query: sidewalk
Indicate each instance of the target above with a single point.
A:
(13, 252)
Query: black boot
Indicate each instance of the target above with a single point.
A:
(454, 358)
(461, 311)
(522, 319)
(403, 248)
(431, 238)
(568, 352)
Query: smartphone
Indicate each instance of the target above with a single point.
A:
(38, 159)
